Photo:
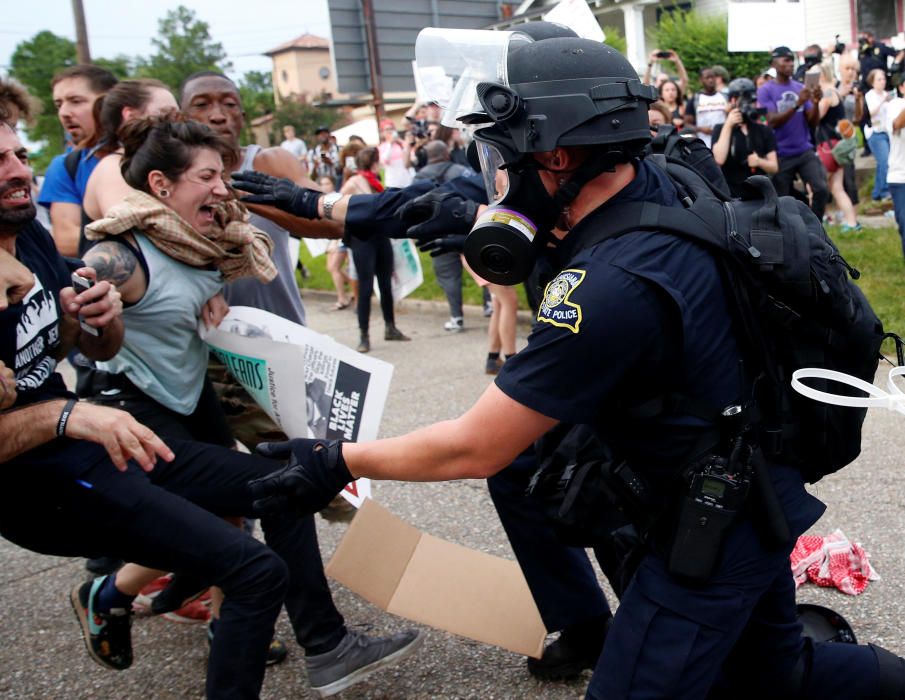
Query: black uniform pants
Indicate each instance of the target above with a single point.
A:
(171, 519)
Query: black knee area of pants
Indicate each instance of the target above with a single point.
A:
(265, 575)
(891, 675)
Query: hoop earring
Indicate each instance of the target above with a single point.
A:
(163, 194)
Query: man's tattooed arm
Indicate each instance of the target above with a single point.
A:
(113, 262)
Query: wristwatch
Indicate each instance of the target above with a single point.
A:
(329, 201)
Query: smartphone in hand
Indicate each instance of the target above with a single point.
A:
(83, 284)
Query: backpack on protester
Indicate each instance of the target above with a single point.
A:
(794, 305)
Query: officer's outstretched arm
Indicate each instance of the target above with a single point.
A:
(478, 444)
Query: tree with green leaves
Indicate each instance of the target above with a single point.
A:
(256, 91)
(702, 41)
(34, 63)
(184, 46)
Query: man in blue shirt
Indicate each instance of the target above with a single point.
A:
(75, 91)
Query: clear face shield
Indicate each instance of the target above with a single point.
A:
(451, 62)
(496, 178)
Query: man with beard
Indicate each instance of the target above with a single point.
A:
(75, 91)
(83, 479)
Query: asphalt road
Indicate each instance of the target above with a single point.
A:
(437, 376)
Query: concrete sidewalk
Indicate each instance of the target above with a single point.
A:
(437, 376)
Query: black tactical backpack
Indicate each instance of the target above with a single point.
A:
(793, 302)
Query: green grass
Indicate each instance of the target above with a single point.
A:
(877, 253)
(429, 289)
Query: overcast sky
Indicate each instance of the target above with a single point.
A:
(126, 26)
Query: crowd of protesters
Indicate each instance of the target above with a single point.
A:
(139, 209)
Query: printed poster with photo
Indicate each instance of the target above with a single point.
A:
(345, 391)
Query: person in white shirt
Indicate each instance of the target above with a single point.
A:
(293, 143)
(878, 140)
(895, 176)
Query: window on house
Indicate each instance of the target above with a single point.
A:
(877, 16)
(284, 76)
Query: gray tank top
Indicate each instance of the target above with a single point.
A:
(162, 353)
(280, 296)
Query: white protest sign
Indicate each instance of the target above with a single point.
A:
(762, 26)
(316, 246)
(407, 271)
(577, 16)
(345, 391)
(432, 84)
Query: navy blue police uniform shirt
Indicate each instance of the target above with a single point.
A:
(30, 340)
(625, 320)
(375, 214)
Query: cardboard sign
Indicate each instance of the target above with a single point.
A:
(429, 580)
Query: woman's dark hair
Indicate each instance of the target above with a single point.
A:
(678, 91)
(367, 157)
(108, 110)
(167, 143)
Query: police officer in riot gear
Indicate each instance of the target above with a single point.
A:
(640, 316)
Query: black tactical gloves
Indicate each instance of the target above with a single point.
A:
(278, 192)
(438, 214)
(314, 474)
(447, 244)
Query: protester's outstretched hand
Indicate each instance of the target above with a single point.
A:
(437, 214)
(314, 474)
(279, 192)
(447, 244)
(121, 435)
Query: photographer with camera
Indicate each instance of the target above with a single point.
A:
(742, 146)
(323, 159)
(394, 156)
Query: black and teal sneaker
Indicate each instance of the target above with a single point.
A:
(108, 636)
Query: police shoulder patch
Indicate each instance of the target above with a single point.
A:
(556, 308)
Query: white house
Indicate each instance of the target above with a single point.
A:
(822, 19)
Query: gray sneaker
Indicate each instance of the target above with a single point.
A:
(356, 657)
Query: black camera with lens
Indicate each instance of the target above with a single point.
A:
(839, 48)
(747, 105)
(418, 127)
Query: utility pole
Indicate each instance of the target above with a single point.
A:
(373, 58)
(82, 53)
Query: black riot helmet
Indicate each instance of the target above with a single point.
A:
(559, 92)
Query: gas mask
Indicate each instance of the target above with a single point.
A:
(527, 97)
(507, 238)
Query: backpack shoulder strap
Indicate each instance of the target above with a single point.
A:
(71, 162)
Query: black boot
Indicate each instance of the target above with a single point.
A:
(364, 343)
(393, 333)
(576, 650)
